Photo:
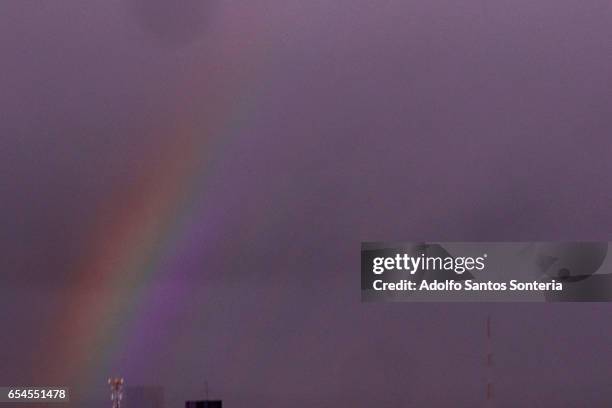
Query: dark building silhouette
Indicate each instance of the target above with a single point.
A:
(204, 404)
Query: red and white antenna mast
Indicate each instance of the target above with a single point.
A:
(489, 364)
(116, 386)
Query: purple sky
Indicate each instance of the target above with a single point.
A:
(359, 120)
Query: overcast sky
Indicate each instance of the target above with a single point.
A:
(270, 138)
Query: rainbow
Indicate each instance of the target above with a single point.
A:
(142, 226)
